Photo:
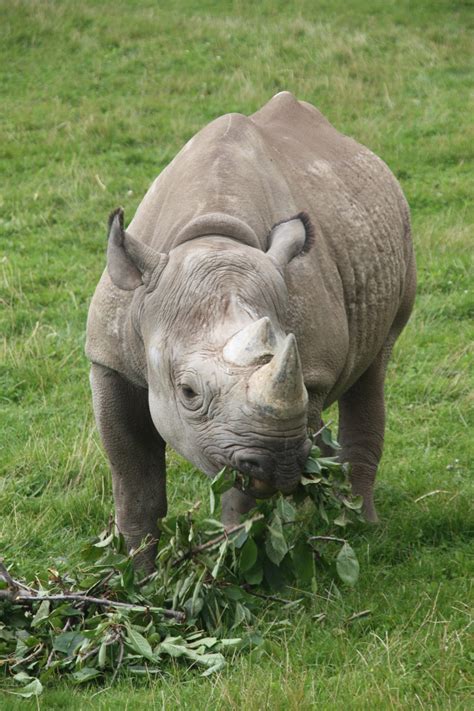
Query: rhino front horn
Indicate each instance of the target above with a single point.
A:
(252, 344)
(278, 388)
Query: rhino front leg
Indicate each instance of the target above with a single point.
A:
(235, 503)
(361, 429)
(136, 454)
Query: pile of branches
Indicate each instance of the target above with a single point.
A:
(200, 606)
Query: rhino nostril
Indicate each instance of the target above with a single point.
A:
(253, 463)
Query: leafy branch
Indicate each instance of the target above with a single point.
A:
(202, 602)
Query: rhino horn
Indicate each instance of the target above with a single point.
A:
(278, 387)
(252, 344)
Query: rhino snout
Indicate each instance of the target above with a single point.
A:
(282, 471)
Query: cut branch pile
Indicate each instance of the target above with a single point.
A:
(200, 605)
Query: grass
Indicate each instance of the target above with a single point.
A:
(97, 97)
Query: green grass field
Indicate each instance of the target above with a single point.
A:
(97, 97)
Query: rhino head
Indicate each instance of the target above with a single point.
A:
(225, 381)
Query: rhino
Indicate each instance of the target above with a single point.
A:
(266, 274)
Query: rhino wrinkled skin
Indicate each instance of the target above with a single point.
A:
(266, 274)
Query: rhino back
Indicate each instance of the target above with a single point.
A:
(255, 171)
(345, 294)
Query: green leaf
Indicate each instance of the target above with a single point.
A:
(223, 481)
(308, 481)
(328, 439)
(102, 656)
(322, 512)
(173, 646)
(347, 565)
(240, 615)
(312, 466)
(354, 503)
(303, 561)
(33, 688)
(230, 642)
(254, 576)
(233, 592)
(212, 501)
(342, 520)
(238, 539)
(276, 546)
(221, 556)
(139, 644)
(286, 510)
(248, 555)
(22, 676)
(273, 575)
(41, 613)
(68, 642)
(218, 664)
(196, 601)
(85, 674)
(104, 542)
(128, 576)
(206, 642)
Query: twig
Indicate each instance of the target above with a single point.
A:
(12, 584)
(215, 541)
(101, 582)
(146, 579)
(248, 589)
(99, 182)
(119, 660)
(358, 615)
(91, 652)
(39, 648)
(327, 538)
(51, 654)
(80, 597)
(431, 493)
(321, 429)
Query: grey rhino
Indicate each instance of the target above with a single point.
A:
(267, 273)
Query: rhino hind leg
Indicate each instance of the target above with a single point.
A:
(136, 453)
(361, 428)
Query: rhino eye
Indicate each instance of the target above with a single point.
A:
(190, 398)
(188, 392)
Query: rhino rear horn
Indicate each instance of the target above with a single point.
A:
(130, 263)
(252, 344)
(278, 387)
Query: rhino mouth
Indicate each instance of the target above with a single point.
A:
(262, 489)
(254, 487)
(262, 475)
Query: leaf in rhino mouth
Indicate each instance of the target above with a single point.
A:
(243, 481)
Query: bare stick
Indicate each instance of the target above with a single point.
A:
(248, 589)
(38, 649)
(431, 493)
(101, 582)
(79, 597)
(358, 615)
(119, 660)
(321, 429)
(12, 584)
(327, 538)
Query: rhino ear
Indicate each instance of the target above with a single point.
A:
(290, 238)
(130, 263)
